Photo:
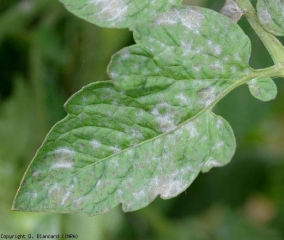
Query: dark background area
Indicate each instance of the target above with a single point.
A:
(47, 54)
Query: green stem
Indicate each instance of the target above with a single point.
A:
(273, 45)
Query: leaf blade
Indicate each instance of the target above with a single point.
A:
(271, 16)
(263, 88)
(118, 13)
(94, 184)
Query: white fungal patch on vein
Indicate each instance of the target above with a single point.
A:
(115, 149)
(218, 145)
(135, 133)
(96, 144)
(36, 174)
(219, 123)
(64, 151)
(67, 194)
(192, 19)
(186, 47)
(139, 194)
(165, 121)
(63, 158)
(125, 53)
(237, 57)
(191, 129)
(62, 164)
(217, 66)
(217, 50)
(166, 186)
(113, 10)
(114, 163)
(211, 162)
(183, 99)
(34, 194)
(208, 95)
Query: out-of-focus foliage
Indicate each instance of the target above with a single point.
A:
(47, 54)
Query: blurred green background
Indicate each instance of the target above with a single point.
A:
(47, 54)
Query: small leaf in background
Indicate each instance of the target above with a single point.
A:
(118, 13)
(271, 15)
(263, 88)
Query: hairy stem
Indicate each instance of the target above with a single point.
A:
(273, 45)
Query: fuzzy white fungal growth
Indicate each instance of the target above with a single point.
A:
(67, 194)
(192, 130)
(112, 9)
(96, 144)
(164, 114)
(62, 164)
(218, 145)
(63, 158)
(210, 163)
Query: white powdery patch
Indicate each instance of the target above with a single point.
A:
(139, 194)
(64, 151)
(78, 201)
(125, 53)
(167, 186)
(217, 50)
(34, 194)
(63, 158)
(183, 99)
(112, 10)
(114, 163)
(192, 20)
(134, 133)
(265, 16)
(36, 174)
(210, 163)
(237, 57)
(220, 123)
(186, 47)
(165, 121)
(96, 144)
(208, 96)
(218, 145)
(191, 129)
(115, 149)
(67, 194)
(217, 66)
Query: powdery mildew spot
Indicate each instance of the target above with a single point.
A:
(96, 144)
(191, 19)
(207, 96)
(34, 194)
(36, 174)
(183, 99)
(218, 145)
(134, 133)
(125, 53)
(220, 123)
(192, 130)
(139, 194)
(63, 158)
(115, 149)
(67, 194)
(112, 9)
(164, 114)
(211, 162)
(166, 186)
